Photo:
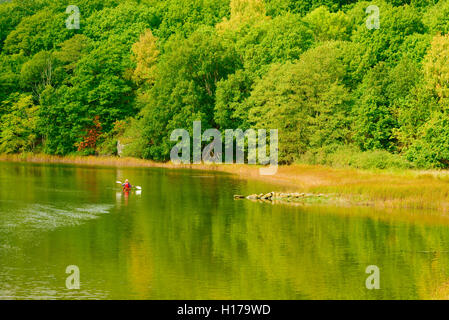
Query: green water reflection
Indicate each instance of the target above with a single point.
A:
(184, 237)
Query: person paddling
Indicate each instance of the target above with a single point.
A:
(126, 186)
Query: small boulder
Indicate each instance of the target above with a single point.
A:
(266, 196)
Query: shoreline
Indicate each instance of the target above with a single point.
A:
(405, 189)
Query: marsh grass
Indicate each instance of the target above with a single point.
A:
(396, 188)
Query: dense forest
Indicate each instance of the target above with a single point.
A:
(340, 93)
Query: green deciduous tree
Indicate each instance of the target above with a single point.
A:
(373, 116)
(396, 23)
(436, 18)
(72, 50)
(19, 131)
(37, 73)
(185, 88)
(327, 25)
(41, 31)
(305, 101)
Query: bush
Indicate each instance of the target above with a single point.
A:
(432, 149)
(351, 156)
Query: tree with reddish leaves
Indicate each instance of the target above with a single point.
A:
(89, 142)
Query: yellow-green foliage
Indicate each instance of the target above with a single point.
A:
(19, 125)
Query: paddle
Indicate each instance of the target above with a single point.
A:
(137, 187)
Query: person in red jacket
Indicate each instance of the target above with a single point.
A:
(126, 186)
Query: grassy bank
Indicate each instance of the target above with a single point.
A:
(381, 188)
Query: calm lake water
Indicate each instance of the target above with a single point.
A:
(184, 237)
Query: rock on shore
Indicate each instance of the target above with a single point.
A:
(280, 196)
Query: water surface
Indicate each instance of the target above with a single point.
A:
(184, 237)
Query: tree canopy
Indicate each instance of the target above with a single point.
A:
(134, 71)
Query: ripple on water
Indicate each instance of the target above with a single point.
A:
(48, 217)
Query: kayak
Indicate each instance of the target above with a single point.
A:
(133, 190)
